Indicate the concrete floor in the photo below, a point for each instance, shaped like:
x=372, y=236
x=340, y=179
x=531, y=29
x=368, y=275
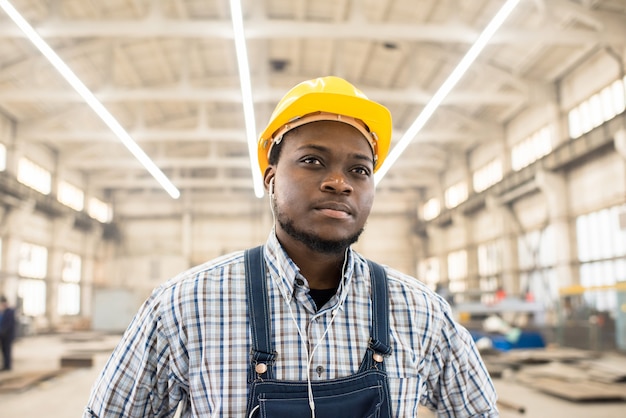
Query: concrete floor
x=65, y=396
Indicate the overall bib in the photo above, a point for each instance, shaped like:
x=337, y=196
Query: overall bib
x=364, y=394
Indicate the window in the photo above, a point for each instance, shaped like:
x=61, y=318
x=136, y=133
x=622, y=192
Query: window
x=537, y=258
x=619, y=100
x=456, y=194
x=489, y=270
x=601, y=245
x=33, y=295
x=100, y=210
x=431, y=209
x=585, y=116
x=33, y=261
x=34, y=176
x=597, y=109
x=69, y=288
x=487, y=175
x=32, y=268
x=607, y=103
x=595, y=106
x=71, y=196
x=457, y=273
x=574, y=125
x=532, y=148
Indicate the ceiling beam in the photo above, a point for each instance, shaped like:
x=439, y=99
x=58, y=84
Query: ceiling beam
x=191, y=135
x=268, y=29
x=104, y=163
x=423, y=180
x=233, y=95
x=28, y=134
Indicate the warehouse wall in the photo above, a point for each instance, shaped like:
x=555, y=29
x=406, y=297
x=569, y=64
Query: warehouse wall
x=157, y=245
x=25, y=222
x=550, y=203
x=599, y=183
x=155, y=242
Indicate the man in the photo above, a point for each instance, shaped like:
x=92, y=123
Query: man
x=7, y=332
x=304, y=326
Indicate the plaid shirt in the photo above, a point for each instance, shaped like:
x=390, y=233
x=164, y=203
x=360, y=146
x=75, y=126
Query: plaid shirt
x=190, y=342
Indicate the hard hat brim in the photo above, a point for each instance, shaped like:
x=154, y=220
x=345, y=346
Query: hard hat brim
x=376, y=116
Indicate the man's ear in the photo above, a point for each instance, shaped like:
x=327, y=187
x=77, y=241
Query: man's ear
x=269, y=174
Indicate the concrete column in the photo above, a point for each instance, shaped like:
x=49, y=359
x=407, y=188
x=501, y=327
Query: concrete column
x=13, y=221
x=554, y=187
x=13, y=151
x=10, y=262
x=510, y=264
x=472, y=270
x=60, y=229
x=472, y=251
x=89, y=266
x=510, y=231
x=437, y=235
x=462, y=227
x=620, y=142
x=433, y=248
x=16, y=217
x=55, y=268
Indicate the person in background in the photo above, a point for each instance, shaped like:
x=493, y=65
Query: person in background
x=303, y=326
x=7, y=331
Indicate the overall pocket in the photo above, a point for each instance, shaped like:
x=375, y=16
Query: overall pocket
x=363, y=395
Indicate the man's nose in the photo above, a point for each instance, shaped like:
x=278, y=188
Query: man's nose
x=336, y=183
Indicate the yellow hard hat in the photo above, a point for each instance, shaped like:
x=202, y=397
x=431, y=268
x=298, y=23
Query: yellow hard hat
x=328, y=98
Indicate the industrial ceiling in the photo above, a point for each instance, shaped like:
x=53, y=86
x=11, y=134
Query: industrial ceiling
x=168, y=72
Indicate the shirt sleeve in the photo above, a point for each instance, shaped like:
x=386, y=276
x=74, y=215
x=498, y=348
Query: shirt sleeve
x=459, y=383
x=137, y=380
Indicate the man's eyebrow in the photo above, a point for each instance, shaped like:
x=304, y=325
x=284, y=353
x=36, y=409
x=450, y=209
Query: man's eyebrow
x=317, y=147
x=323, y=148
x=364, y=157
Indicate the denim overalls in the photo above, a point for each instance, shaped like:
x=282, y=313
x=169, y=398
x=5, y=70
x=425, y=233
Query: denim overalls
x=364, y=394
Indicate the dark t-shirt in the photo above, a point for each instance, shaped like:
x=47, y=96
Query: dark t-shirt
x=321, y=296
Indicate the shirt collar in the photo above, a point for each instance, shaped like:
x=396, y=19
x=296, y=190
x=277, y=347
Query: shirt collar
x=285, y=272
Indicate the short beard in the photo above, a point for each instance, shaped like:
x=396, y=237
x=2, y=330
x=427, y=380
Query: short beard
x=313, y=241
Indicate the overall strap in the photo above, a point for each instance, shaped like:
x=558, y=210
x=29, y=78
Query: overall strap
x=262, y=354
x=380, y=307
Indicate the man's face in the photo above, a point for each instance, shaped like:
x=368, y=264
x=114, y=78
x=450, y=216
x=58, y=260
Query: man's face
x=323, y=186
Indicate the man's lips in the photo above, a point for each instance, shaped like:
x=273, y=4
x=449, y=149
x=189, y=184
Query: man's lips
x=335, y=210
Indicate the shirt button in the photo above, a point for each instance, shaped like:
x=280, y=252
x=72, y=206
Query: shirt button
x=300, y=282
x=319, y=370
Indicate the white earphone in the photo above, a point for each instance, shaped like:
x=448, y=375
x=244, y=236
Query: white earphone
x=272, y=199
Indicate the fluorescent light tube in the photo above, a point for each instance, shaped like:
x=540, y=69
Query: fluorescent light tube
x=246, y=92
x=446, y=87
x=90, y=98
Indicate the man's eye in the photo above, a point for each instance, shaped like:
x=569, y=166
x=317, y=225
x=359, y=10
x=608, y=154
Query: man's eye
x=362, y=170
x=311, y=160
